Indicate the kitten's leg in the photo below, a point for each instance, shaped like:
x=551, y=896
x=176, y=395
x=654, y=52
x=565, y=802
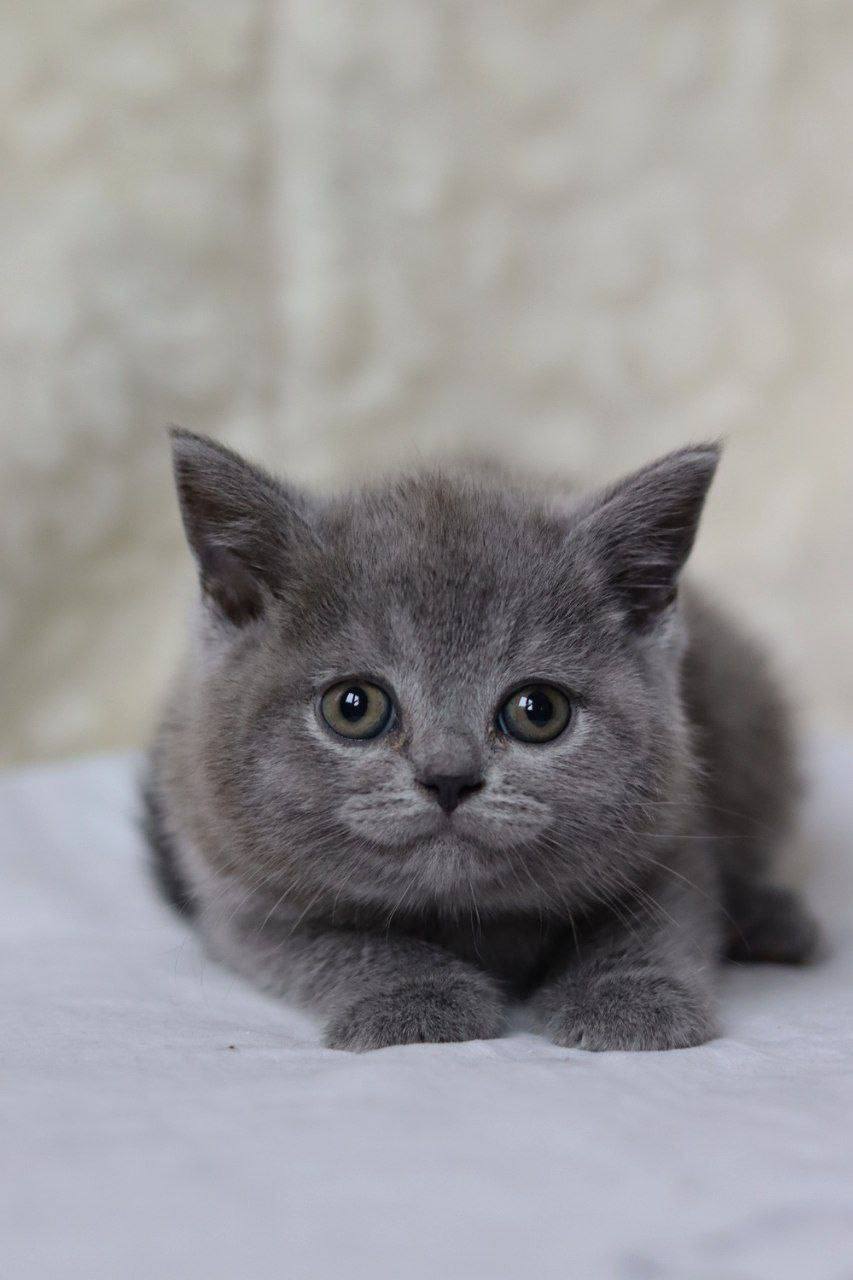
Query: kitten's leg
x=769, y=923
x=371, y=990
x=643, y=983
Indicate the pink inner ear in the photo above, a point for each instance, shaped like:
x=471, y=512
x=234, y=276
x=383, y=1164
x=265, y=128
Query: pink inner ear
x=230, y=585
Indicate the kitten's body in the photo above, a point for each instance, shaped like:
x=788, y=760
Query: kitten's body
x=599, y=875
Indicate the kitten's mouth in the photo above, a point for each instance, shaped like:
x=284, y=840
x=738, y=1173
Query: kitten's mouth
x=408, y=835
x=501, y=824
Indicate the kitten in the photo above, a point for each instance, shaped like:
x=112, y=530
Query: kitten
x=446, y=744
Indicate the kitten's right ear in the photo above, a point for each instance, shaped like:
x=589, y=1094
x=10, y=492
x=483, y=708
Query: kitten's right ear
x=242, y=525
x=641, y=530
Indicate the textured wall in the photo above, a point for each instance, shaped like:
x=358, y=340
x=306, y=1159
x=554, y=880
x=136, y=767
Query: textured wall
x=342, y=234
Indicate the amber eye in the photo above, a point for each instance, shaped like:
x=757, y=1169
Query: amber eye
x=356, y=710
x=536, y=713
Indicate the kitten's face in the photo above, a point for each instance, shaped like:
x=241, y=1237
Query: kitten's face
x=437, y=697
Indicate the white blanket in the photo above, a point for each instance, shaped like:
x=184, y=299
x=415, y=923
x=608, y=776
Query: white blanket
x=161, y=1120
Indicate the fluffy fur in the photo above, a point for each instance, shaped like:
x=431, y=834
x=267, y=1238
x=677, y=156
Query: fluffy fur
x=599, y=877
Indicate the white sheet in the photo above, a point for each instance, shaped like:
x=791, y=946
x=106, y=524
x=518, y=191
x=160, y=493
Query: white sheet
x=161, y=1120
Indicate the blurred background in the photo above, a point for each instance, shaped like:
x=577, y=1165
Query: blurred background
x=343, y=234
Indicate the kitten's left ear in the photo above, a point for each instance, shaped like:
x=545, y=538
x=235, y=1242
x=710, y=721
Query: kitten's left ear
x=642, y=529
x=246, y=529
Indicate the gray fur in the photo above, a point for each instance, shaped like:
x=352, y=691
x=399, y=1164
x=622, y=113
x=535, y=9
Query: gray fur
x=599, y=877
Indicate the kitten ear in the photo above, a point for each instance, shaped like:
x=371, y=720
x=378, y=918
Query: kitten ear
x=642, y=529
x=241, y=525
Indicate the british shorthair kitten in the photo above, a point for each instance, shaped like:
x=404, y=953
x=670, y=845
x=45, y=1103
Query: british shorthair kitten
x=446, y=744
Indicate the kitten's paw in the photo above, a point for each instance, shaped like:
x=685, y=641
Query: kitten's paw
x=769, y=923
x=636, y=1011
x=431, y=1010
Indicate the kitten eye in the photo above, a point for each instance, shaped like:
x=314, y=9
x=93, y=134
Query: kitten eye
x=356, y=710
x=536, y=713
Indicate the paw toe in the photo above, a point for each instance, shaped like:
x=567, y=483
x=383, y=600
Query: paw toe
x=637, y=1013
x=416, y=1014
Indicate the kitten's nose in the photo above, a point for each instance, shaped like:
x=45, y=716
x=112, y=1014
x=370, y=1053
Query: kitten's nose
x=450, y=789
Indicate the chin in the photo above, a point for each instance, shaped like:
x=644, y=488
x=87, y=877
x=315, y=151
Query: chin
x=451, y=863
x=450, y=871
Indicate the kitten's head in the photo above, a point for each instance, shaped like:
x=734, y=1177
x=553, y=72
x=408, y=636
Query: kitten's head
x=441, y=693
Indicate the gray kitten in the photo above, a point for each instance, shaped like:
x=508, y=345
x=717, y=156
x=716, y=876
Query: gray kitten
x=445, y=744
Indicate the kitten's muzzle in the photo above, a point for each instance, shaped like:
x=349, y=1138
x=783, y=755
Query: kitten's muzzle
x=450, y=789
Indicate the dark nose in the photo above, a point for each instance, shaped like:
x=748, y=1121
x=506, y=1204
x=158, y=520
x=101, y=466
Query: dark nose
x=450, y=789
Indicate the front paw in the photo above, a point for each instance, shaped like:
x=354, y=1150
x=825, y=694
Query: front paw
x=431, y=1010
x=636, y=1011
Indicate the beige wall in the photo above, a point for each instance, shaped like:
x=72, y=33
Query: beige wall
x=343, y=234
